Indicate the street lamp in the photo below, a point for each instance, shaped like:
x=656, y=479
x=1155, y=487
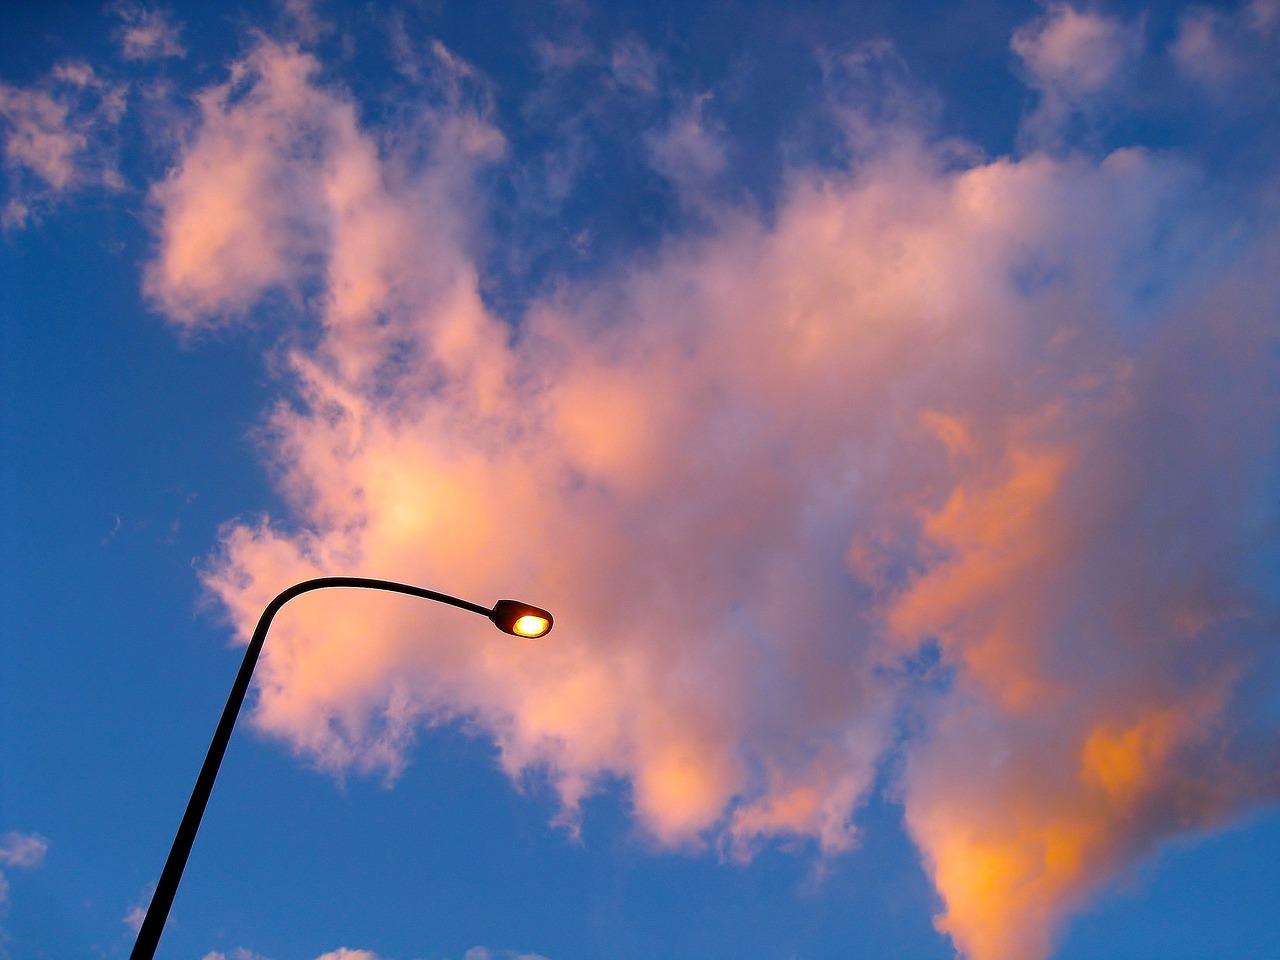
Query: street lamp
x=509, y=616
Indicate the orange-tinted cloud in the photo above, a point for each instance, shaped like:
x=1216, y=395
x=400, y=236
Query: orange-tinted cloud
x=1092, y=588
x=923, y=405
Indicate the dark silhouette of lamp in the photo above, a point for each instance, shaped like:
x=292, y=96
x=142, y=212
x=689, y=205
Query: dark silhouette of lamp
x=510, y=616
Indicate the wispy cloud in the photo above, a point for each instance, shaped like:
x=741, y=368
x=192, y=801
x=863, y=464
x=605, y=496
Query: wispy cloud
x=1231, y=53
x=689, y=151
x=1077, y=61
x=1012, y=415
x=635, y=66
x=137, y=911
x=242, y=953
x=484, y=953
x=56, y=138
x=147, y=33
x=347, y=953
x=24, y=851
x=134, y=917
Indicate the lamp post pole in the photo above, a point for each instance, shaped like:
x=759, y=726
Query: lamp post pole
x=510, y=616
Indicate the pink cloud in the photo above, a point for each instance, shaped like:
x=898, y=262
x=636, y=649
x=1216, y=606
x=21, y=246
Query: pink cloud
x=1077, y=61
x=277, y=173
x=243, y=953
x=54, y=137
x=145, y=33
x=1081, y=53
x=22, y=850
x=688, y=152
x=1230, y=53
x=925, y=404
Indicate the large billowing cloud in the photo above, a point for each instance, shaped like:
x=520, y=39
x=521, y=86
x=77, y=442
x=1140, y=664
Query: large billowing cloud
x=986, y=443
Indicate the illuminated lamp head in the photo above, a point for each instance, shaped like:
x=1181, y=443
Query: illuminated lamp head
x=521, y=619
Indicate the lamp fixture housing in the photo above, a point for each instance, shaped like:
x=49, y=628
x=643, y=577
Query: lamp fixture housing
x=521, y=619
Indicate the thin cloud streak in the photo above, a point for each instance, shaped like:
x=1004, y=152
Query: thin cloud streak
x=1018, y=412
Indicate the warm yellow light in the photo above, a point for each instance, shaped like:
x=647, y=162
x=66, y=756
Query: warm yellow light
x=521, y=619
x=531, y=626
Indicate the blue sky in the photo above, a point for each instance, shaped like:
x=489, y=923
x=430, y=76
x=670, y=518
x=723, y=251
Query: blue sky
x=883, y=397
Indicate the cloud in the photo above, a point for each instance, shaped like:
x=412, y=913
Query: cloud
x=137, y=912
x=56, y=138
x=483, y=953
x=347, y=953
x=304, y=22
x=25, y=851
x=687, y=152
x=146, y=33
x=562, y=54
x=134, y=916
x=1077, y=62
x=242, y=953
x=270, y=137
x=1013, y=417
x=215, y=248
x=1230, y=54
x=635, y=66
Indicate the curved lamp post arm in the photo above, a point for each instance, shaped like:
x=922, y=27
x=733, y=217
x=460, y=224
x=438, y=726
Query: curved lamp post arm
x=509, y=615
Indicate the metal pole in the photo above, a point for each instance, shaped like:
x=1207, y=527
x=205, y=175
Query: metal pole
x=144, y=947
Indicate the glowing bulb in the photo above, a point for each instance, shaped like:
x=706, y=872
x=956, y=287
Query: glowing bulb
x=531, y=626
x=521, y=619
